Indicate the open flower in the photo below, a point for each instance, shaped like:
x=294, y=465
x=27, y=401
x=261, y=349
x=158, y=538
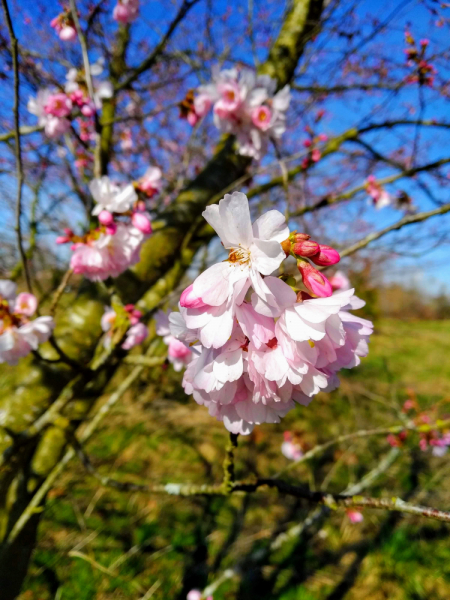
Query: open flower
x=253, y=250
x=111, y=197
x=18, y=334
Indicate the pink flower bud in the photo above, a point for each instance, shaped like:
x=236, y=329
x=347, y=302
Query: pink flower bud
x=111, y=229
x=307, y=143
x=316, y=283
x=62, y=239
x=306, y=248
x=68, y=231
x=106, y=218
x=326, y=257
x=88, y=110
x=323, y=137
x=315, y=155
x=141, y=222
x=192, y=118
x=189, y=299
x=355, y=516
x=194, y=595
x=300, y=237
x=68, y=33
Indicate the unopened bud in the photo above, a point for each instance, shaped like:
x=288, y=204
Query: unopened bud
x=327, y=256
x=105, y=217
x=299, y=237
x=62, y=239
x=141, y=222
x=306, y=248
x=316, y=283
x=189, y=299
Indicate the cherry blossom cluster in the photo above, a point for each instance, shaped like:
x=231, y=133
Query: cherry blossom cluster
x=178, y=354
x=57, y=110
x=126, y=11
x=124, y=224
x=259, y=346
x=64, y=26
x=19, y=334
x=128, y=314
x=245, y=105
x=436, y=439
x=415, y=57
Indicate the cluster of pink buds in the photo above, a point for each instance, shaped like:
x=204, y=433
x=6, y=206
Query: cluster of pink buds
x=314, y=154
x=127, y=314
x=126, y=11
x=19, y=334
x=433, y=437
x=64, y=26
x=302, y=247
x=415, y=57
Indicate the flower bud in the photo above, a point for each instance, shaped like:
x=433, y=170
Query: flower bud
x=300, y=237
x=306, y=248
x=62, y=239
x=316, y=283
x=106, y=218
x=111, y=229
x=327, y=256
x=286, y=245
x=141, y=222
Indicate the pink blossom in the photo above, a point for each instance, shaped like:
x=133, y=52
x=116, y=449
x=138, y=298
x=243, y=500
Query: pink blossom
x=111, y=197
x=178, y=353
x=64, y=27
x=18, y=334
x=58, y=105
x=253, y=250
x=151, y=182
x=108, y=255
x=126, y=11
x=355, y=516
x=289, y=449
x=135, y=336
x=26, y=304
x=261, y=117
x=378, y=194
x=202, y=104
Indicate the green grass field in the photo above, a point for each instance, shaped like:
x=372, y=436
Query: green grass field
x=100, y=543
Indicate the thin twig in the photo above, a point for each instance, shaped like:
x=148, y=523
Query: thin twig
x=408, y=220
x=18, y=149
x=84, y=50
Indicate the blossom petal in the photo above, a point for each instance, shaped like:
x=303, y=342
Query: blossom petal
x=271, y=226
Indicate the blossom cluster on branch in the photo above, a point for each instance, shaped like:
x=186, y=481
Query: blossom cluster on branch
x=245, y=105
x=260, y=346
